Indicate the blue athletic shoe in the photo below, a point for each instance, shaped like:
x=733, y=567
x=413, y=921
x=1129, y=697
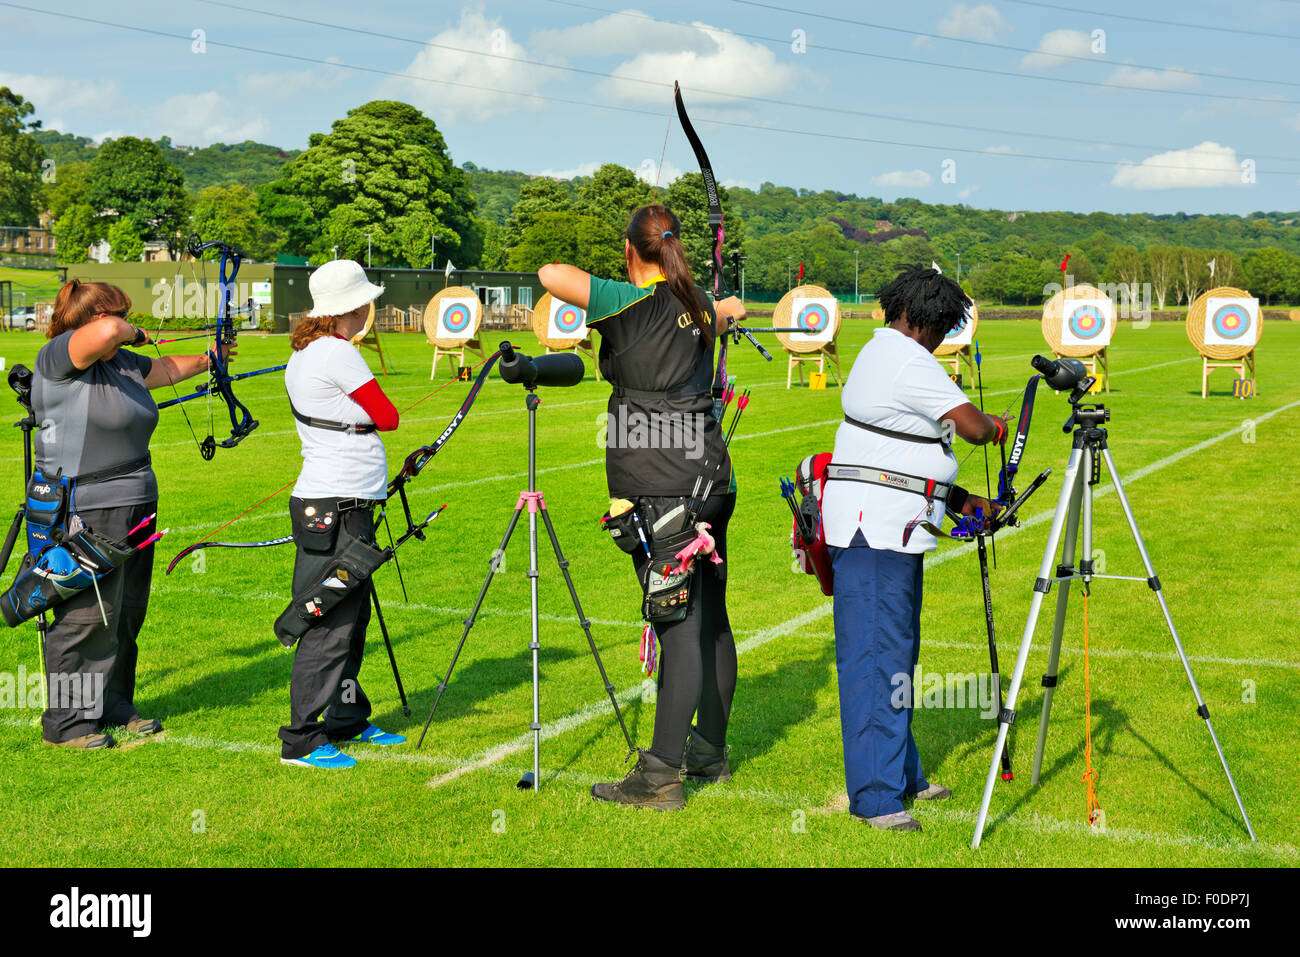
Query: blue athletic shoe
x=326, y=756
x=373, y=735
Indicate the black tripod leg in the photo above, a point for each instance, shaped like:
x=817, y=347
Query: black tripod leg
x=993, y=646
x=392, y=658
x=586, y=624
x=493, y=564
x=12, y=537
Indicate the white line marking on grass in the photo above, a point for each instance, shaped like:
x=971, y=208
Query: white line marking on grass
x=577, y=718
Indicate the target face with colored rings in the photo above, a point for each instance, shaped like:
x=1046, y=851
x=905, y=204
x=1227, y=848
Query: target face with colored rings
x=568, y=319
x=959, y=328
x=1087, y=322
x=1231, y=321
x=457, y=318
x=813, y=318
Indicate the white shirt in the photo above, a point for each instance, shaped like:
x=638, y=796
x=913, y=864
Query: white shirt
x=334, y=464
x=897, y=384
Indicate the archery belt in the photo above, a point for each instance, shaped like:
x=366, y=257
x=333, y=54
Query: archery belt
x=345, y=570
x=665, y=580
x=64, y=556
x=934, y=492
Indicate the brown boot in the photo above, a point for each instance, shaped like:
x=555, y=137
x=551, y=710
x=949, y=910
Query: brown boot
x=138, y=725
x=704, y=762
x=651, y=783
x=87, y=742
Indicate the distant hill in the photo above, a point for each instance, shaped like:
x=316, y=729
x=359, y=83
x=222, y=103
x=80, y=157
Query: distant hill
x=220, y=164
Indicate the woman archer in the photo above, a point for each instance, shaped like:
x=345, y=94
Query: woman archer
x=656, y=349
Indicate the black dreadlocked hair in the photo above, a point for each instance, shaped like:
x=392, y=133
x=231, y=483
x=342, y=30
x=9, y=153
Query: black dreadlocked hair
x=924, y=298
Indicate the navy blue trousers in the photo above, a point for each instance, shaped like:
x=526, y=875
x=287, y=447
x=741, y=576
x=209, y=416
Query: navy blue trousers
x=877, y=643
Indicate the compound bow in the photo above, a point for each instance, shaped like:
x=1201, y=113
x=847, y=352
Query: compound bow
x=220, y=381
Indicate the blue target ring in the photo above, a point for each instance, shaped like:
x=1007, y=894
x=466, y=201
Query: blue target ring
x=457, y=318
x=1231, y=321
x=568, y=318
x=813, y=318
x=959, y=328
x=1087, y=322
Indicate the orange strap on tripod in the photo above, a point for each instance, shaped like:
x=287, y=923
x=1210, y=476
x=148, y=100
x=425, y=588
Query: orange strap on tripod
x=1090, y=773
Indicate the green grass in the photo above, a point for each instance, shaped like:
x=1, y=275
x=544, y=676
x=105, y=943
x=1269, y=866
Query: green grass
x=36, y=283
x=1224, y=544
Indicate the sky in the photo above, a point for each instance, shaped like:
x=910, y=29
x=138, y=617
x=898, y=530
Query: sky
x=1011, y=104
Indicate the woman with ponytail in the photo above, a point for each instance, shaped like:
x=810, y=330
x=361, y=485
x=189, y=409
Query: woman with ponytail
x=91, y=398
x=657, y=335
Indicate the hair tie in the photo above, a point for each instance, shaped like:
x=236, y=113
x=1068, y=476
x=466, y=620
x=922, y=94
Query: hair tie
x=667, y=233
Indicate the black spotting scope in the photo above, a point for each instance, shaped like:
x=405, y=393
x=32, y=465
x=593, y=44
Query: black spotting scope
x=560, y=369
x=1060, y=374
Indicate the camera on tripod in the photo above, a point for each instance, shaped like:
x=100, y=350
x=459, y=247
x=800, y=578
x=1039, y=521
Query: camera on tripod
x=1072, y=374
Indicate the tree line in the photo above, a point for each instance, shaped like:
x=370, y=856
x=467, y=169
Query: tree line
x=381, y=184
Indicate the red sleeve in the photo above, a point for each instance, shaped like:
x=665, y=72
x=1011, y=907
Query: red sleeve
x=372, y=400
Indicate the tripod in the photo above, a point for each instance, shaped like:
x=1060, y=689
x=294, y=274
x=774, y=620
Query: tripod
x=536, y=505
x=1082, y=473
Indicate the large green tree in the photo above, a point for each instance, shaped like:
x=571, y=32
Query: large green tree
x=130, y=180
x=230, y=213
x=381, y=179
x=20, y=161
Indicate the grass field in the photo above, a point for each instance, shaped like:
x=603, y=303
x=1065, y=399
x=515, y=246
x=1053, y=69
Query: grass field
x=1203, y=477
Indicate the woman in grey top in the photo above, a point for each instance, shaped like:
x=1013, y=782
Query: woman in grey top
x=96, y=417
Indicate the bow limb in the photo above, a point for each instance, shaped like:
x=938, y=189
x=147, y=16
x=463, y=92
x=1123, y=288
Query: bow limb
x=197, y=546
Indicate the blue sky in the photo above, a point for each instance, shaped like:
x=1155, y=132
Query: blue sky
x=1033, y=104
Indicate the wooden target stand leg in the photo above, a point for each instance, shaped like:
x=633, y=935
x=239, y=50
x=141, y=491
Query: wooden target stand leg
x=439, y=353
x=1240, y=366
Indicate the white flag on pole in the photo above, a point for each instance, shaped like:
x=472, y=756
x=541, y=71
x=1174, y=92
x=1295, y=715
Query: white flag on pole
x=1211, y=265
x=935, y=266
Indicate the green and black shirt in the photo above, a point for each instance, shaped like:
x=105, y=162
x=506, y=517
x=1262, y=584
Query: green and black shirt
x=660, y=429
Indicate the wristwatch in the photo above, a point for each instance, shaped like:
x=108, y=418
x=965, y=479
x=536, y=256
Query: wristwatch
x=141, y=337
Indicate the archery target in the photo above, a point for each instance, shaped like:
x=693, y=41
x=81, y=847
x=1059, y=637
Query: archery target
x=964, y=332
x=457, y=318
x=567, y=321
x=1231, y=321
x=815, y=317
x=1087, y=322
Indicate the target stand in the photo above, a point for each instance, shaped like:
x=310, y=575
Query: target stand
x=815, y=309
x=1224, y=325
x=1079, y=323
x=562, y=327
x=451, y=325
x=956, y=346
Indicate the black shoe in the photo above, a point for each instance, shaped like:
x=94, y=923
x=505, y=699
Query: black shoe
x=651, y=783
x=138, y=725
x=704, y=762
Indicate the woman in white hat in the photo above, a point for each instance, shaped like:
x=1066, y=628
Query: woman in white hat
x=340, y=408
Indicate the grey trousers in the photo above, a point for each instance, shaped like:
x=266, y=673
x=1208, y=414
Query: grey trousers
x=90, y=667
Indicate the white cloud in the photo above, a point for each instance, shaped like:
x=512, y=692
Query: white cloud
x=1000, y=149
x=972, y=23
x=55, y=95
x=726, y=63
x=1208, y=164
x=488, y=62
x=1293, y=122
x=968, y=192
x=284, y=86
x=904, y=178
x=1170, y=78
x=1055, y=47
x=630, y=31
x=204, y=118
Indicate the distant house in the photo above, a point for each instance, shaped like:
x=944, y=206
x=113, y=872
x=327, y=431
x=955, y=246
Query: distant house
x=1012, y=217
x=29, y=239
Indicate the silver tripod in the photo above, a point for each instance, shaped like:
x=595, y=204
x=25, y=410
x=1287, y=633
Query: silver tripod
x=1081, y=475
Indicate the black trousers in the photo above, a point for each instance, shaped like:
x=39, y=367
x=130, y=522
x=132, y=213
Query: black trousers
x=327, y=660
x=90, y=667
x=697, y=658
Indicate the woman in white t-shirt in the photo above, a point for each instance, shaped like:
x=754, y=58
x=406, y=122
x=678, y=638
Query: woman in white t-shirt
x=340, y=410
x=900, y=413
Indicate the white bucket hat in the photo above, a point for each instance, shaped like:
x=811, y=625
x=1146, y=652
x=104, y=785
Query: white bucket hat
x=339, y=286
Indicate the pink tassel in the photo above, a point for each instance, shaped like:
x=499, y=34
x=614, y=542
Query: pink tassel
x=649, y=650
